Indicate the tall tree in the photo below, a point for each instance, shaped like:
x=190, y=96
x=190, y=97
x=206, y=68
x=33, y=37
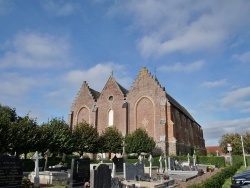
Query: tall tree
x=235, y=140
x=111, y=140
x=8, y=112
x=57, y=136
x=85, y=138
x=7, y=117
x=139, y=141
x=24, y=137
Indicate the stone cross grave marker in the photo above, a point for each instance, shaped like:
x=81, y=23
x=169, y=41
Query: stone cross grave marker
x=36, y=158
x=150, y=159
x=160, y=161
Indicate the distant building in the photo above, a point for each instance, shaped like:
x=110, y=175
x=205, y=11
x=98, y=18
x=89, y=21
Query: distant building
x=146, y=105
x=214, y=150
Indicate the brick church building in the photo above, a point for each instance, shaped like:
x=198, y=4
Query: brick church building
x=146, y=105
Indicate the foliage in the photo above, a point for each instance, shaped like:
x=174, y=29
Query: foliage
x=8, y=112
x=235, y=140
x=57, y=136
x=217, y=180
x=85, y=138
x=228, y=181
x=7, y=116
x=139, y=142
x=217, y=161
x=111, y=140
x=23, y=133
x=26, y=183
x=239, y=158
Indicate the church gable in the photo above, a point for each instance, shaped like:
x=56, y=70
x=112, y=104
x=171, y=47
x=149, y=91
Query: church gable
x=113, y=88
x=145, y=101
x=85, y=94
x=110, y=106
x=83, y=104
x=146, y=84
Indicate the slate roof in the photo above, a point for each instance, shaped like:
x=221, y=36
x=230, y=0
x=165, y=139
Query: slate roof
x=180, y=107
x=94, y=93
x=124, y=91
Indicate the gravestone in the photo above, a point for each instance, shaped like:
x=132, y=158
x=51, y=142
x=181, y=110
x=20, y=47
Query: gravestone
x=116, y=183
x=80, y=172
x=174, y=164
x=101, y=177
x=130, y=171
x=118, y=163
x=134, y=171
x=140, y=169
x=11, y=172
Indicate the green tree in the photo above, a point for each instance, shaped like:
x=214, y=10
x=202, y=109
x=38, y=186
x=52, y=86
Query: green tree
x=56, y=136
x=24, y=137
x=235, y=140
x=8, y=112
x=7, y=117
x=111, y=141
x=246, y=141
x=139, y=141
x=85, y=138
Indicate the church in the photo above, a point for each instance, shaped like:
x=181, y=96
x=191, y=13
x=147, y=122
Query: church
x=146, y=105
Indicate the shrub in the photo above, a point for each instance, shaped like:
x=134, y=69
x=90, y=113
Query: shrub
x=218, y=179
x=26, y=183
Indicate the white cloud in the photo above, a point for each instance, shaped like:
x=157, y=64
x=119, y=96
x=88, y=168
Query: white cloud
x=214, y=130
x=179, y=67
x=214, y=83
x=244, y=58
x=14, y=86
x=59, y=7
x=239, y=98
x=97, y=76
x=185, y=26
x=36, y=50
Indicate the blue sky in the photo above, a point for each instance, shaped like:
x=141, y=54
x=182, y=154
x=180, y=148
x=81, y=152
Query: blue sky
x=198, y=50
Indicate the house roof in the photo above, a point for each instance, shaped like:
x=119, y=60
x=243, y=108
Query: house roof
x=214, y=149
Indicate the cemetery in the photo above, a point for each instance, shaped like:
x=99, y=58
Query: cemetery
x=119, y=172
x=78, y=158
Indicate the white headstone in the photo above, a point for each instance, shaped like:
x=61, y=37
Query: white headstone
x=160, y=161
x=194, y=157
x=36, y=158
x=150, y=159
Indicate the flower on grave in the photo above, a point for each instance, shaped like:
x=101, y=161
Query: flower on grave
x=210, y=168
x=26, y=182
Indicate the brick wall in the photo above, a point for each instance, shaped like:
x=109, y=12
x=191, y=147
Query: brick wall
x=148, y=108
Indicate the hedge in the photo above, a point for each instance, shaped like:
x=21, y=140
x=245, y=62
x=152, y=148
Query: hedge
x=217, y=180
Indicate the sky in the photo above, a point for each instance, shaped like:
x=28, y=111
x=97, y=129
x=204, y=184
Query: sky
x=198, y=50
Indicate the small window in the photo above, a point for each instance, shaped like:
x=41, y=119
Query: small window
x=111, y=98
x=111, y=118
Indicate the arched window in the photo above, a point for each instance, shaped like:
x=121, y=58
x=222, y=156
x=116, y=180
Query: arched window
x=111, y=118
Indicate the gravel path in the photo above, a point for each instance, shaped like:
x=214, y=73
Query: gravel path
x=197, y=179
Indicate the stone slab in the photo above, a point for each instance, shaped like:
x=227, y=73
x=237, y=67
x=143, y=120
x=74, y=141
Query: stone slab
x=50, y=178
